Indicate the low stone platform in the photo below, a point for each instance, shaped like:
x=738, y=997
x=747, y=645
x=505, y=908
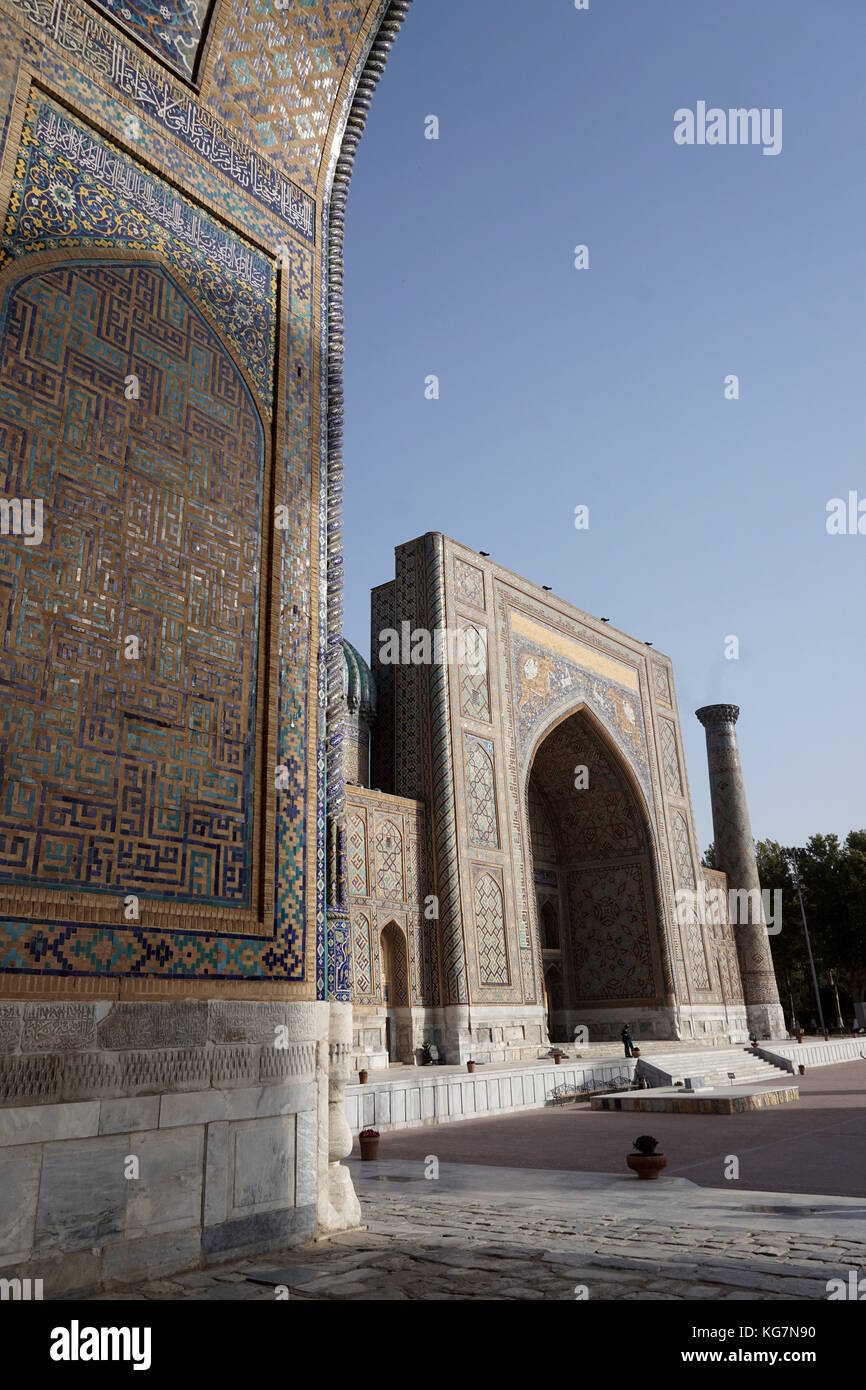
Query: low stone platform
x=402, y=1097
x=406, y=1097
x=674, y=1100
x=813, y=1052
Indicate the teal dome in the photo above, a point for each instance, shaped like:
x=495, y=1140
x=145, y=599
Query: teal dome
x=359, y=688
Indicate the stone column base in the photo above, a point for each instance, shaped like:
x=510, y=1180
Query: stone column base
x=344, y=1209
x=339, y=1209
x=766, y=1019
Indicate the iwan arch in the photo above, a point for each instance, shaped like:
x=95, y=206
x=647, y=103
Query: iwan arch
x=529, y=830
x=173, y=192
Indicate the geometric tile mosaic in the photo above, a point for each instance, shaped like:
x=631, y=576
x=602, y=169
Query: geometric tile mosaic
x=73, y=187
x=362, y=961
x=357, y=837
x=124, y=772
x=389, y=860
x=277, y=75
x=682, y=850
x=469, y=583
x=474, y=699
x=661, y=682
x=611, y=954
x=481, y=795
x=490, y=932
x=699, y=973
x=670, y=759
x=41, y=944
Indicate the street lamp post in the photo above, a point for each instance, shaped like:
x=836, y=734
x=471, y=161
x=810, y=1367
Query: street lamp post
x=791, y=856
x=794, y=1024
x=834, y=981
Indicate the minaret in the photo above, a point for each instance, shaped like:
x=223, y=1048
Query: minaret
x=735, y=855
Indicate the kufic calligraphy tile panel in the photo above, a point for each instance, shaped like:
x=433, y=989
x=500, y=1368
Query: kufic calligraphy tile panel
x=119, y=773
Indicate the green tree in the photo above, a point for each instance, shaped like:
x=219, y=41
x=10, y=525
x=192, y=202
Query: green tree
x=833, y=882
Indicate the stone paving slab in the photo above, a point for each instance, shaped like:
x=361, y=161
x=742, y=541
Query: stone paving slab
x=527, y=1235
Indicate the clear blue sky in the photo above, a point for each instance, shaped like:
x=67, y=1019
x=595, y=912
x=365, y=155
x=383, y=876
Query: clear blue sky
x=605, y=387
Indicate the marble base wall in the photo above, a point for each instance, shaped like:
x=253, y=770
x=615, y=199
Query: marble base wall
x=139, y=1139
x=497, y=1034
x=691, y=1022
x=648, y=1022
x=395, y=1102
x=813, y=1052
x=460, y=1032
x=714, y=1023
x=502, y=1034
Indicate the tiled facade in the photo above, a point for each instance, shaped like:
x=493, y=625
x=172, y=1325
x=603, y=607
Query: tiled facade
x=490, y=748
x=110, y=163
x=170, y=348
x=387, y=873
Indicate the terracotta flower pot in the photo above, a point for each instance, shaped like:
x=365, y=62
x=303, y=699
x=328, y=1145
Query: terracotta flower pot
x=362, y=1077
x=470, y=1066
x=647, y=1166
x=369, y=1149
x=557, y=1057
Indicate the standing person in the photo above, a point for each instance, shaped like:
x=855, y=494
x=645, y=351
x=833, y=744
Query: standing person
x=627, y=1040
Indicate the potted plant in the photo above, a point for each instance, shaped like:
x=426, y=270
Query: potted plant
x=800, y=1036
x=362, y=1076
x=369, y=1142
x=557, y=1056
x=645, y=1161
x=470, y=1065
x=635, y=1052
x=801, y=1069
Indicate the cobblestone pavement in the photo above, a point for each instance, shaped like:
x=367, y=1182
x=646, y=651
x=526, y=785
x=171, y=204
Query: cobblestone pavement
x=545, y=1241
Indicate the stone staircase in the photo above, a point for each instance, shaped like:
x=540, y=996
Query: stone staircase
x=711, y=1065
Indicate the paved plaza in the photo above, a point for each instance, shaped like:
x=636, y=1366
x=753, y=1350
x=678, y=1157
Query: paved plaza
x=814, y=1145
x=541, y=1206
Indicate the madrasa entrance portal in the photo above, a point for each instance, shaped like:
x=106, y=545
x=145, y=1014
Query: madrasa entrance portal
x=594, y=878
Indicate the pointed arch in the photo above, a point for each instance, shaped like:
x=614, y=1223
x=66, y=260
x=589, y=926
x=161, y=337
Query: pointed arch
x=609, y=875
x=551, y=939
x=394, y=966
x=600, y=728
x=554, y=988
x=135, y=483
x=36, y=262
